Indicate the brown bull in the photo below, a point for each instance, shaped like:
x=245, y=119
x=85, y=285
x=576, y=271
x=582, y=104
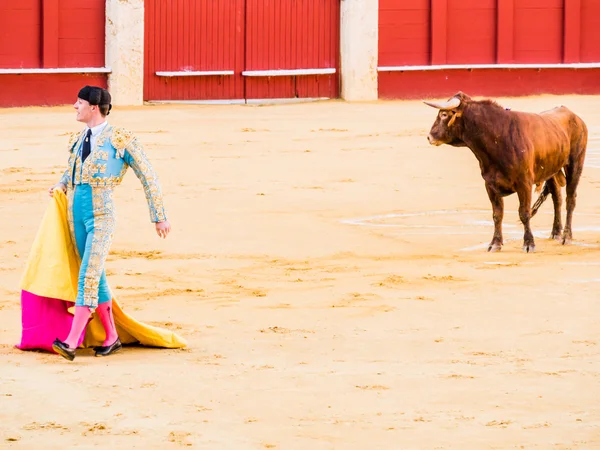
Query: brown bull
x=517, y=150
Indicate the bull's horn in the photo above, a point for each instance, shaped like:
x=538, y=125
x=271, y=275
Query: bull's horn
x=454, y=102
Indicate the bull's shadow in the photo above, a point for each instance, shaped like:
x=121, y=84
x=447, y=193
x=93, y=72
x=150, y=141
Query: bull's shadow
x=517, y=150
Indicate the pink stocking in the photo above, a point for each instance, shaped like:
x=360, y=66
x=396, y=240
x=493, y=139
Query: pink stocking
x=82, y=314
x=104, y=311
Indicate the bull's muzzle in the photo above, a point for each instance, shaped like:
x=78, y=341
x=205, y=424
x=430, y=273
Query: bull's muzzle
x=432, y=140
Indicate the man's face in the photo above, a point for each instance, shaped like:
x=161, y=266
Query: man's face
x=84, y=110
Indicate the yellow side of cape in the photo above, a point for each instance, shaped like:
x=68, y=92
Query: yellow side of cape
x=52, y=270
x=52, y=267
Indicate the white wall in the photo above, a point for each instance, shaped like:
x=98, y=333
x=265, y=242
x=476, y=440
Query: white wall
x=359, y=49
x=125, y=51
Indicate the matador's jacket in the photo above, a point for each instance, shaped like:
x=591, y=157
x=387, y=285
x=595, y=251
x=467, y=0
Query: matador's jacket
x=91, y=212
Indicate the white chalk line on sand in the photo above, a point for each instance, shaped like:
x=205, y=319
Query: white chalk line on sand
x=537, y=234
x=592, y=154
x=588, y=280
x=514, y=232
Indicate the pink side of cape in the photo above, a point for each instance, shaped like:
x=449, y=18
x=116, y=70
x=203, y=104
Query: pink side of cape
x=43, y=320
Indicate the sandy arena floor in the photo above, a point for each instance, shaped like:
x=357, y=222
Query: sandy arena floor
x=328, y=268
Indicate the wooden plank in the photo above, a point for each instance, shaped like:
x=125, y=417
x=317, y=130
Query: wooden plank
x=81, y=32
x=194, y=50
x=478, y=45
x=287, y=72
x=45, y=89
x=20, y=35
x=539, y=35
x=292, y=49
x=195, y=73
x=439, y=31
x=487, y=83
x=590, y=31
x=572, y=34
x=404, y=33
x=505, y=44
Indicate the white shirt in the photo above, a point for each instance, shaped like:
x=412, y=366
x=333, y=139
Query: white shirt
x=95, y=132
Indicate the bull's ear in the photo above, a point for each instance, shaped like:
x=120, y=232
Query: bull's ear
x=453, y=103
x=454, y=117
x=462, y=96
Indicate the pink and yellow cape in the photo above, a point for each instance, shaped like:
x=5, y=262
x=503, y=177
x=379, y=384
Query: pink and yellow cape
x=49, y=289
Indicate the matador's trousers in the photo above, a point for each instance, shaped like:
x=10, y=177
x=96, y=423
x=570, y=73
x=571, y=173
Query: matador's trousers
x=91, y=222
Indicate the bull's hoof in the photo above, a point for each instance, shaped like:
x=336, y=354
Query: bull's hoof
x=557, y=236
x=529, y=248
x=494, y=248
x=567, y=240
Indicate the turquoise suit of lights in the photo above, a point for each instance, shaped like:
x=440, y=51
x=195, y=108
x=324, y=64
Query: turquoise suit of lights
x=91, y=212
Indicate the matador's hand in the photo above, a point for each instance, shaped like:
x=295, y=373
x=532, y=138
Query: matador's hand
x=163, y=228
x=60, y=186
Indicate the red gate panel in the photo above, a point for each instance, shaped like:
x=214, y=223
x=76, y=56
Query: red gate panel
x=538, y=31
x=478, y=44
x=300, y=34
x=49, y=34
x=81, y=25
x=404, y=36
x=590, y=31
x=432, y=32
x=201, y=36
x=20, y=39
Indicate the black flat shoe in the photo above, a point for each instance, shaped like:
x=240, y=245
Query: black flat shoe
x=103, y=348
x=63, y=349
x=113, y=348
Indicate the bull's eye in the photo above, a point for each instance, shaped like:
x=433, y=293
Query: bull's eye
x=444, y=115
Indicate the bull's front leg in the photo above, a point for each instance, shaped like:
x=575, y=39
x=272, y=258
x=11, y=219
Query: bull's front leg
x=498, y=214
x=524, y=193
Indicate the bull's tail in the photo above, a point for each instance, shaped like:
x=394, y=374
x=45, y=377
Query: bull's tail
x=560, y=181
x=541, y=199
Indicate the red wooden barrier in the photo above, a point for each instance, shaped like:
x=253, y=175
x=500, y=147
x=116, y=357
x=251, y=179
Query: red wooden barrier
x=49, y=34
x=81, y=26
x=20, y=22
x=474, y=32
x=590, y=31
x=404, y=32
x=191, y=43
x=539, y=31
x=303, y=34
x=194, y=36
x=478, y=44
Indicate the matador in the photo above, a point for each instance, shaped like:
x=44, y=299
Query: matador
x=99, y=157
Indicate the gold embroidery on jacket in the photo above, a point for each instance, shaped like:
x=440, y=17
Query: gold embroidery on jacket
x=95, y=169
x=120, y=139
x=147, y=176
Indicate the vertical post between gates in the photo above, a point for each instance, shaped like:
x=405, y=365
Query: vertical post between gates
x=359, y=49
x=125, y=51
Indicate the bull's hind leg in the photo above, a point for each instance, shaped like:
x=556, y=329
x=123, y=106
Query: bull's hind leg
x=554, y=189
x=573, y=174
x=498, y=214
